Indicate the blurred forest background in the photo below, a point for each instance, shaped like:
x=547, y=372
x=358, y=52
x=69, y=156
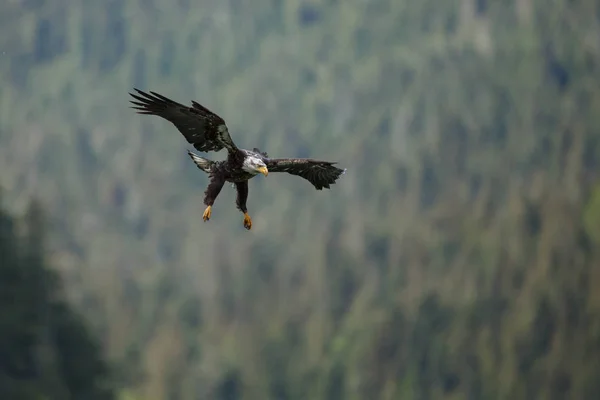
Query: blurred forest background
x=456, y=259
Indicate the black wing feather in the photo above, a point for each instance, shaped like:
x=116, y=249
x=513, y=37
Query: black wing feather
x=202, y=128
x=320, y=173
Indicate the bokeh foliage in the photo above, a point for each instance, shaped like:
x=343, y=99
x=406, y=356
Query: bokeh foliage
x=46, y=349
x=457, y=258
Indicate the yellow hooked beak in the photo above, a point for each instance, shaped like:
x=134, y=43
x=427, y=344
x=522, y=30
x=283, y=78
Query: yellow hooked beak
x=263, y=170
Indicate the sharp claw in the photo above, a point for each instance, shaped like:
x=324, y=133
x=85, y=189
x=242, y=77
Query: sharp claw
x=247, y=221
x=206, y=215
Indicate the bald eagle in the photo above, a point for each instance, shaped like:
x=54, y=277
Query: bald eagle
x=207, y=131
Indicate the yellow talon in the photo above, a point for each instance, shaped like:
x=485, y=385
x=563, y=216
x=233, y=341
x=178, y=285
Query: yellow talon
x=247, y=221
x=206, y=215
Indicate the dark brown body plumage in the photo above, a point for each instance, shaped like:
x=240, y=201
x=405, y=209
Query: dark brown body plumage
x=207, y=131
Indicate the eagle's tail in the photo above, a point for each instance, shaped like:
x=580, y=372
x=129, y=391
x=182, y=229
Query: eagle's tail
x=202, y=163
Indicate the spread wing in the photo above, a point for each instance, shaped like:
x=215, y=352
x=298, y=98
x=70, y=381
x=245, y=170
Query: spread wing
x=202, y=128
x=320, y=173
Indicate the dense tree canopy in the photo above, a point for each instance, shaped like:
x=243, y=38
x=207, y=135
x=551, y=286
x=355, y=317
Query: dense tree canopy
x=457, y=258
x=46, y=350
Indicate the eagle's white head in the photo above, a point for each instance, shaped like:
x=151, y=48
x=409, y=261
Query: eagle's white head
x=255, y=165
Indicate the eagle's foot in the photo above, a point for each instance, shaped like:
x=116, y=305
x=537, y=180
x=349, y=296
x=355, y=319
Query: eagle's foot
x=247, y=221
x=206, y=215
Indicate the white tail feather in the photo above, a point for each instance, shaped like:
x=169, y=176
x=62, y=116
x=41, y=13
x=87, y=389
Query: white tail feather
x=202, y=163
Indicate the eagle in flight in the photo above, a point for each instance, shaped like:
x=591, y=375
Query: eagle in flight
x=206, y=131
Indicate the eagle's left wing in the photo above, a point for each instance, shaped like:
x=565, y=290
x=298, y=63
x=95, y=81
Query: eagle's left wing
x=202, y=128
x=320, y=173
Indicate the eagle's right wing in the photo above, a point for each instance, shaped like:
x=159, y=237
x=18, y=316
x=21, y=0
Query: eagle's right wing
x=205, y=130
x=320, y=173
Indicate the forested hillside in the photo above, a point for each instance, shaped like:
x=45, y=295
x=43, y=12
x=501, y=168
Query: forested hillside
x=46, y=349
x=456, y=259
